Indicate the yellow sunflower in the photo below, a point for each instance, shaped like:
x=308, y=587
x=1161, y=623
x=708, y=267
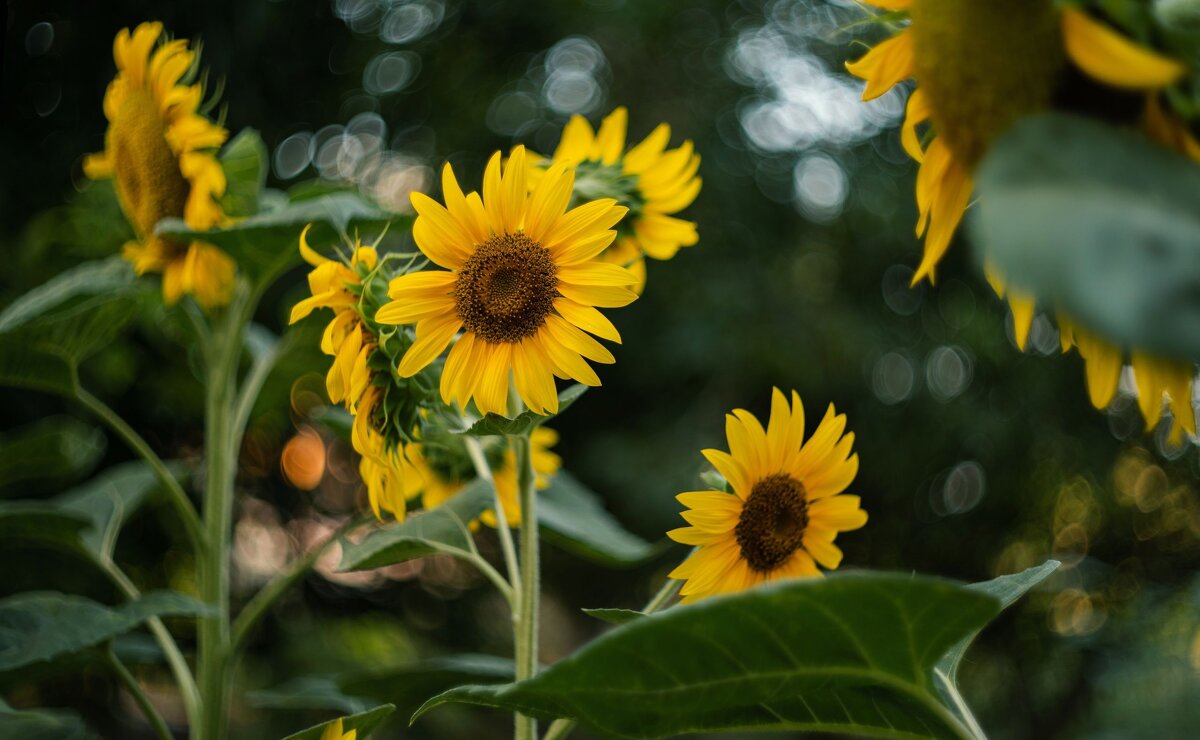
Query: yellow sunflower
x=655, y=182
x=382, y=464
x=338, y=286
x=335, y=731
x=521, y=282
x=971, y=92
x=159, y=150
x=787, y=505
x=435, y=486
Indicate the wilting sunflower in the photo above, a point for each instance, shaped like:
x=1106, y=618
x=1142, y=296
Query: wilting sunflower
x=338, y=285
x=653, y=181
x=979, y=67
x=522, y=283
x=438, y=473
x=786, y=508
x=160, y=152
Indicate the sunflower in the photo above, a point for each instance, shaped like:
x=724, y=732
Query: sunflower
x=382, y=464
x=653, y=181
x=521, y=282
x=970, y=92
x=435, y=480
x=338, y=285
x=786, y=506
x=335, y=731
x=159, y=150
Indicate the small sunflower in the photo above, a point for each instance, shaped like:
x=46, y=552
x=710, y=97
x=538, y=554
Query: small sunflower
x=653, y=181
x=160, y=151
x=521, y=282
x=786, y=508
x=435, y=481
x=970, y=92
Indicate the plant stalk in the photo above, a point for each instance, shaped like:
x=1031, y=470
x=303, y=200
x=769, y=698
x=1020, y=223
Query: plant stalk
x=135, y=690
x=526, y=635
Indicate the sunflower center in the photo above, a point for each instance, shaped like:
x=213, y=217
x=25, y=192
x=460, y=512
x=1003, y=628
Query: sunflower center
x=505, y=290
x=984, y=65
x=149, y=183
x=772, y=523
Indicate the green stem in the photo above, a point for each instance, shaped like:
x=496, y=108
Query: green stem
x=503, y=531
x=262, y=601
x=220, y=392
x=560, y=728
x=175, y=659
x=139, y=696
x=183, y=505
x=527, y=628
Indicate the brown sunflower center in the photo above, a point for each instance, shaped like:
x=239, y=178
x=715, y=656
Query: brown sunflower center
x=149, y=183
x=505, y=290
x=984, y=65
x=771, y=526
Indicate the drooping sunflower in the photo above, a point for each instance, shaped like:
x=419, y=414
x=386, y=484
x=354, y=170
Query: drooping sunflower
x=435, y=481
x=786, y=507
x=522, y=283
x=653, y=181
x=160, y=152
x=968, y=93
x=382, y=463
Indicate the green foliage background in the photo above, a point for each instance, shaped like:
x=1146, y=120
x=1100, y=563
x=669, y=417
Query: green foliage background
x=976, y=460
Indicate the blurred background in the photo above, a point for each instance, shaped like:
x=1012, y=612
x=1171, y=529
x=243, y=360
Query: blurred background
x=976, y=460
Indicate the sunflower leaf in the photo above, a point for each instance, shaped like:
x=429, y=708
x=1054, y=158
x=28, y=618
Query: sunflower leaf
x=615, y=616
x=853, y=653
x=1113, y=240
x=497, y=425
x=244, y=160
x=42, y=724
x=439, y=530
x=363, y=723
x=574, y=518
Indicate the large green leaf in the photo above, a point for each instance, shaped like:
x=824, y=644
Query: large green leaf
x=44, y=625
x=108, y=500
x=244, y=160
x=101, y=277
x=42, y=724
x=573, y=517
x=443, y=529
x=495, y=424
x=364, y=723
x=42, y=522
x=54, y=448
x=1113, y=239
x=268, y=242
x=309, y=693
x=852, y=653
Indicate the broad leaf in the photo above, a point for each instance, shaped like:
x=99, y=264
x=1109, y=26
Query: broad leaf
x=244, y=160
x=573, y=517
x=101, y=277
x=42, y=724
x=57, y=448
x=443, y=529
x=309, y=693
x=268, y=242
x=44, y=625
x=364, y=723
x=615, y=616
x=1112, y=240
x=108, y=500
x=42, y=522
x=495, y=424
x=853, y=653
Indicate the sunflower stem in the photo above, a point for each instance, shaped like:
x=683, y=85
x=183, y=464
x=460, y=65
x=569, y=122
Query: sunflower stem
x=526, y=636
x=139, y=695
x=503, y=531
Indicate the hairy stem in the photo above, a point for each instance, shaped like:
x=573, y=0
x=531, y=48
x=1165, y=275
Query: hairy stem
x=527, y=628
x=503, y=531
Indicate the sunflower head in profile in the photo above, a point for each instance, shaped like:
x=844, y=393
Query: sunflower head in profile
x=160, y=152
x=652, y=181
x=522, y=283
x=382, y=464
x=786, y=506
x=437, y=469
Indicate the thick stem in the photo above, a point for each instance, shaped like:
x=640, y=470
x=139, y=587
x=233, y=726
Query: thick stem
x=135, y=690
x=527, y=627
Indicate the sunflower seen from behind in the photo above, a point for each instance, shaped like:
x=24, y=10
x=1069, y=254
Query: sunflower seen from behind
x=785, y=508
x=521, y=282
x=653, y=181
x=160, y=151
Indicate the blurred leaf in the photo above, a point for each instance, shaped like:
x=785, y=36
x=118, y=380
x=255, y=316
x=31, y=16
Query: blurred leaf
x=308, y=693
x=244, y=160
x=54, y=448
x=852, y=653
x=42, y=522
x=1111, y=239
x=439, y=530
x=495, y=424
x=42, y=724
x=364, y=723
x=268, y=242
x=44, y=625
x=407, y=687
x=101, y=277
x=615, y=616
x=574, y=518
x=337, y=420
x=108, y=500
